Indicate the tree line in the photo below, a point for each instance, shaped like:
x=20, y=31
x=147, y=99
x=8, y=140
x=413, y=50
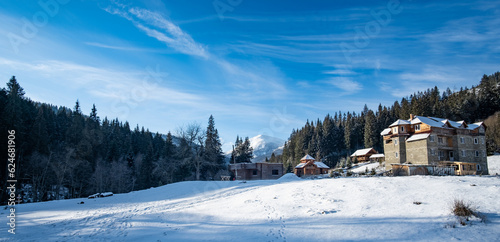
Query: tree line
x=63, y=153
x=336, y=137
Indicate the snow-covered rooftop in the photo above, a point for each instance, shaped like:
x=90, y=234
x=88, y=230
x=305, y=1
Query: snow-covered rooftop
x=377, y=156
x=319, y=164
x=400, y=122
x=361, y=152
x=474, y=125
x=429, y=121
x=307, y=157
x=385, y=131
x=416, y=137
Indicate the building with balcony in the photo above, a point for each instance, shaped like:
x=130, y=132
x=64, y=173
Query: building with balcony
x=437, y=142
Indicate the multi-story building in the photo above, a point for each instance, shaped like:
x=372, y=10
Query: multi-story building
x=436, y=142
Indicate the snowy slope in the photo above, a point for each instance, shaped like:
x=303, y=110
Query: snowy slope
x=494, y=164
x=264, y=146
x=377, y=208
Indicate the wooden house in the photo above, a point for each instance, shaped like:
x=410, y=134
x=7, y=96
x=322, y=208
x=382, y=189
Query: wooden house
x=363, y=155
x=309, y=166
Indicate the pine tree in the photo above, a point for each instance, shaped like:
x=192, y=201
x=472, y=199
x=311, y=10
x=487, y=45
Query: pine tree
x=145, y=176
x=213, y=154
x=370, y=133
x=93, y=114
x=242, y=151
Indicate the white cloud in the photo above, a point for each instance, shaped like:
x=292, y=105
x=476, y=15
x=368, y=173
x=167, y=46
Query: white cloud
x=346, y=84
x=341, y=72
x=160, y=28
x=106, y=83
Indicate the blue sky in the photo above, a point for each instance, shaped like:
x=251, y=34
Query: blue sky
x=260, y=67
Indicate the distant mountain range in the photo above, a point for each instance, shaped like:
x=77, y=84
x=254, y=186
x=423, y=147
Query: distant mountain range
x=263, y=146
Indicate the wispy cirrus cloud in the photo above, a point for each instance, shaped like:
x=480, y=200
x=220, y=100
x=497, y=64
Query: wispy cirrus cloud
x=160, y=28
x=346, y=84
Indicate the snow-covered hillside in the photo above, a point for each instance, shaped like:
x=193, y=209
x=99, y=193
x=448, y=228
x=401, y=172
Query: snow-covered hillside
x=353, y=209
x=264, y=146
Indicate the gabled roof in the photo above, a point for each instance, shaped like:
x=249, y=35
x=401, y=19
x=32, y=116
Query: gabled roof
x=429, y=121
x=399, y=122
x=416, y=137
x=307, y=157
x=386, y=131
x=319, y=164
x=474, y=125
x=362, y=152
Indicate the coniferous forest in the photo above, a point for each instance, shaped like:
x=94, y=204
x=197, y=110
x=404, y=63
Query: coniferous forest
x=68, y=152
x=77, y=154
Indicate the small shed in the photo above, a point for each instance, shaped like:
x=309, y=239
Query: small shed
x=377, y=158
x=309, y=166
x=363, y=155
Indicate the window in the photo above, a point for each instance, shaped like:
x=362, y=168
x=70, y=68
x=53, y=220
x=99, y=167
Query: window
x=440, y=140
x=464, y=153
x=478, y=167
x=254, y=172
x=395, y=130
x=402, y=129
x=441, y=153
x=433, y=152
x=417, y=127
x=476, y=141
x=395, y=142
x=482, y=141
x=396, y=154
x=431, y=138
x=477, y=153
x=275, y=172
x=462, y=140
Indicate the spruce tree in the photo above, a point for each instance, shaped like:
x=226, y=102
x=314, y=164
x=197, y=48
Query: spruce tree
x=213, y=154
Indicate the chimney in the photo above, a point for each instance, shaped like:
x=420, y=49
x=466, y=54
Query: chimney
x=411, y=116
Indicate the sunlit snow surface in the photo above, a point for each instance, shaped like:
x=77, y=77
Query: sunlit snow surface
x=289, y=209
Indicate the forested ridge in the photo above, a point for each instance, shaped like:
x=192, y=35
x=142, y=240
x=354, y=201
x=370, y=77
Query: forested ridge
x=337, y=136
x=63, y=153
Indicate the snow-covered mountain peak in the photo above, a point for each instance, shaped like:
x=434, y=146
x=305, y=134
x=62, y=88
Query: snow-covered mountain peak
x=264, y=146
x=261, y=141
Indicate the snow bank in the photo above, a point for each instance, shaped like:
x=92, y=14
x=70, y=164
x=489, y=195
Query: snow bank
x=289, y=177
x=362, y=167
x=494, y=164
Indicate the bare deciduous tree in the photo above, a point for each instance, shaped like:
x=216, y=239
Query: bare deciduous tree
x=194, y=136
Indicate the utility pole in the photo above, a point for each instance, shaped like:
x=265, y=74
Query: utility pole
x=235, y=168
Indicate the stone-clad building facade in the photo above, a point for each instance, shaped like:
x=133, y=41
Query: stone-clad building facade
x=436, y=141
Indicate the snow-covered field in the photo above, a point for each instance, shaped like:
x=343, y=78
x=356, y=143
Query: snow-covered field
x=289, y=209
x=494, y=164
